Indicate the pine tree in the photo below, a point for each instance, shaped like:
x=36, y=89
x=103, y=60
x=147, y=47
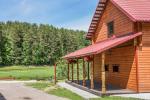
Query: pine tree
x=28, y=44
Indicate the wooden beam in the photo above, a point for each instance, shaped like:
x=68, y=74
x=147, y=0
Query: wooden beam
x=136, y=63
x=92, y=74
x=88, y=70
x=84, y=80
x=72, y=72
x=77, y=71
x=55, y=74
x=103, y=74
x=68, y=72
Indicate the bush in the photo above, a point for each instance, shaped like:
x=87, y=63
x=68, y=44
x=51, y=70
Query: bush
x=61, y=69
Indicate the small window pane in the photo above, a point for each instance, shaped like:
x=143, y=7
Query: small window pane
x=110, y=27
x=115, y=68
x=107, y=67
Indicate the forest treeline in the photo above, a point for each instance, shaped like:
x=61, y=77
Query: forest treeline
x=23, y=43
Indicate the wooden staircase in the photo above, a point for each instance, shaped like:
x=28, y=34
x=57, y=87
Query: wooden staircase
x=96, y=18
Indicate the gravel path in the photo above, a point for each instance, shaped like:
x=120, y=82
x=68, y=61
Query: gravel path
x=17, y=91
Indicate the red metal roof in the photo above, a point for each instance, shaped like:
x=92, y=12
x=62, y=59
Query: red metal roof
x=136, y=10
x=102, y=46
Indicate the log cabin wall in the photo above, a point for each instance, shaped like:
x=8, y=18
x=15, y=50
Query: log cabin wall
x=123, y=56
x=122, y=23
x=144, y=60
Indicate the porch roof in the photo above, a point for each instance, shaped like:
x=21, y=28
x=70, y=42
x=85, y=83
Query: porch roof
x=102, y=46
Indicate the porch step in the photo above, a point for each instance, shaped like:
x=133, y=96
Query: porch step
x=82, y=93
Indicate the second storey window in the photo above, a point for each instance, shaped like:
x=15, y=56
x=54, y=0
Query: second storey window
x=110, y=28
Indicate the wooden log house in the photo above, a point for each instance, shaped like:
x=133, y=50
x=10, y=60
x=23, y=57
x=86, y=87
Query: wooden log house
x=119, y=53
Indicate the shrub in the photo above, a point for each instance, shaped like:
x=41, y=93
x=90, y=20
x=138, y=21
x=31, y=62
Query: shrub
x=61, y=69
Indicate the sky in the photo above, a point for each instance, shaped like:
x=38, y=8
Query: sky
x=71, y=14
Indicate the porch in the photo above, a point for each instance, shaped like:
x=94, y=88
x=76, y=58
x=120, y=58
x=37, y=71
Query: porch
x=88, y=55
x=111, y=90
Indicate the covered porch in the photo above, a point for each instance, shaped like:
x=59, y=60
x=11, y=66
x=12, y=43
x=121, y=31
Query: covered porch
x=87, y=56
x=111, y=90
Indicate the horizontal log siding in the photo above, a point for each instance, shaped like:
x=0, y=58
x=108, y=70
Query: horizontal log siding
x=126, y=77
x=144, y=60
x=122, y=24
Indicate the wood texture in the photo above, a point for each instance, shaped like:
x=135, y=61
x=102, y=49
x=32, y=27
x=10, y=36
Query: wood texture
x=77, y=71
x=144, y=60
x=124, y=57
x=122, y=24
x=136, y=47
x=84, y=76
x=55, y=80
x=68, y=72
x=92, y=74
x=88, y=65
x=103, y=74
x=72, y=72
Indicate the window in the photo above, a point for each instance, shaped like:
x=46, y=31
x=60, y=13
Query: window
x=115, y=68
x=107, y=68
x=110, y=27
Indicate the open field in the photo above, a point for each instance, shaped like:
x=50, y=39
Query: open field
x=58, y=91
x=43, y=73
x=26, y=73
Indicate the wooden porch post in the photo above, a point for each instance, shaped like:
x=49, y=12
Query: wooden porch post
x=68, y=72
x=55, y=80
x=77, y=71
x=84, y=81
x=88, y=70
x=72, y=72
x=103, y=74
x=92, y=74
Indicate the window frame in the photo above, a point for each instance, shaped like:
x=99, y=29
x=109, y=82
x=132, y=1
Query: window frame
x=109, y=26
x=118, y=68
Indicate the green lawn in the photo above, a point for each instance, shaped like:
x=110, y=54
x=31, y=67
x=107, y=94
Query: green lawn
x=61, y=92
x=44, y=73
x=26, y=73
x=55, y=90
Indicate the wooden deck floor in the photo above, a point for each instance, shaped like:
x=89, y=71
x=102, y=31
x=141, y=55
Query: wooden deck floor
x=111, y=90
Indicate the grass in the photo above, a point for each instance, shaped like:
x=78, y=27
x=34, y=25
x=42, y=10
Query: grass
x=40, y=85
x=44, y=73
x=61, y=92
x=55, y=90
x=26, y=73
